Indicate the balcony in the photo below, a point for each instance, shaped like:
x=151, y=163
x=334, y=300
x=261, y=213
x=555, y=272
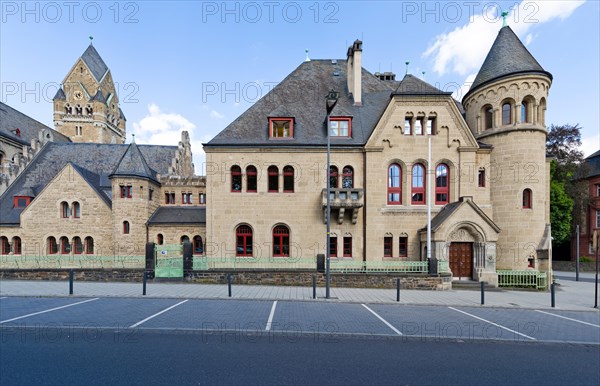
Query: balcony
x=342, y=200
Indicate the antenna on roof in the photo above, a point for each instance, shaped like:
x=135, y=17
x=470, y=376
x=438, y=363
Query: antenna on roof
x=132, y=138
x=407, y=63
x=307, y=58
x=504, y=15
x=91, y=38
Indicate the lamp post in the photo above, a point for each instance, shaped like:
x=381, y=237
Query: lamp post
x=331, y=100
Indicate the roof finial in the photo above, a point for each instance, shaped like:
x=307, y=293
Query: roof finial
x=407, y=63
x=423, y=73
x=504, y=15
x=307, y=58
x=91, y=38
x=133, y=138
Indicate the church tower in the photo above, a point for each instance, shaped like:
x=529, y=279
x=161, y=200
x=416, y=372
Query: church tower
x=86, y=107
x=505, y=108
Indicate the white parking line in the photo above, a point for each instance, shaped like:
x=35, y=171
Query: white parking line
x=43, y=312
x=564, y=317
x=383, y=320
x=3, y=297
x=493, y=324
x=158, y=313
x=270, y=321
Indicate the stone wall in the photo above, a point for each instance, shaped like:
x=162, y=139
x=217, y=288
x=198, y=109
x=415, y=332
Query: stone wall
x=570, y=266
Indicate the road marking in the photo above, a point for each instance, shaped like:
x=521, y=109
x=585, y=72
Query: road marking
x=383, y=320
x=158, y=313
x=43, y=312
x=3, y=297
x=564, y=317
x=493, y=324
x=270, y=321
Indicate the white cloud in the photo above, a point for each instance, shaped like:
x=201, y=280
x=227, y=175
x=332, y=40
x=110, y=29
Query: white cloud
x=590, y=145
x=215, y=114
x=464, y=49
x=464, y=88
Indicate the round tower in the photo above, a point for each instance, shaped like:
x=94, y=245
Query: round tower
x=505, y=107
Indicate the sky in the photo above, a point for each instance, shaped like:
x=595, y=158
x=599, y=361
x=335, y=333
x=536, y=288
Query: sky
x=198, y=65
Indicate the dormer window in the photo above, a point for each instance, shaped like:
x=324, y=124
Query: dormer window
x=281, y=128
x=21, y=201
x=340, y=127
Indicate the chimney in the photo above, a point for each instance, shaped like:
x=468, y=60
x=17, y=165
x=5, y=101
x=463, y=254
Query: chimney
x=355, y=72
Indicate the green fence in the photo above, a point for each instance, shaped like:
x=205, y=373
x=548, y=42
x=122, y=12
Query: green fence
x=526, y=278
x=349, y=266
x=71, y=261
x=169, y=261
x=203, y=263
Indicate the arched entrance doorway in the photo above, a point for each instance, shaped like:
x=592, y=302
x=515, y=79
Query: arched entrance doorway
x=461, y=259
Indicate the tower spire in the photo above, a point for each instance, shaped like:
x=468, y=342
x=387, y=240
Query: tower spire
x=91, y=38
x=504, y=15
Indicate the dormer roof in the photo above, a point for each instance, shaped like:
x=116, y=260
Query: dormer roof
x=133, y=164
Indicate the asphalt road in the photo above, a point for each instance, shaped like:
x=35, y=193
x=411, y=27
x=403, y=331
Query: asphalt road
x=175, y=341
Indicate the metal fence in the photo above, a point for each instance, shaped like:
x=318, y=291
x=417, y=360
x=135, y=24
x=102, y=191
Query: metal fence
x=526, y=279
x=203, y=263
x=349, y=266
x=71, y=261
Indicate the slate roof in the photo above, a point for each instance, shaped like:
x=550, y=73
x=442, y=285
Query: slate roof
x=60, y=94
x=592, y=165
x=411, y=85
x=178, y=215
x=11, y=119
x=450, y=208
x=93, y=160
x=303, y=94
x=133, y=164
x=92, y=59
x=507, y=56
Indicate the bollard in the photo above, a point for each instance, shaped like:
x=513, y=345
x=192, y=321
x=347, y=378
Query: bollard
x=229, y=283
x=144, y=283
x=482, y=293
x=314, y=286
x=397, y=290
x=71, y=282
x=552, y=296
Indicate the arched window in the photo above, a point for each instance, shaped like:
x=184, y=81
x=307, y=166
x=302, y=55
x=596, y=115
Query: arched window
x=89, y=110
x=89, y=246
x=160, y=239
x=288, y=179
x=525, y=112
x=198, y=246
x=243, y=241
x=333, y=177
x=527, y=199
x=65, y=246
x=184, y=239
x=418, y=184
x=5, y=245
x=394, y=185
x=65, y=210
x=251, y=179
x=52, y=246
x=441, y=184
x=506, y=114
x=68, y=109
x=281, y=241
x=347, y=177
x=16, y=245
x=77, y=246
x=76, y=210
x=126, y=227
x=488, y=117
x=273, y=178
x=236, y=179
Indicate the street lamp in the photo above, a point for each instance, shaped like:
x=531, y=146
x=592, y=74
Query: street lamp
x=331, y=100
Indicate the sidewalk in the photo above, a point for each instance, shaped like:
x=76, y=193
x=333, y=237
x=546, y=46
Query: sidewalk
x=570, y=294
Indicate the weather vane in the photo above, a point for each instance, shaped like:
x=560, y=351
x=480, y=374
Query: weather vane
x=407, y=63
x=504, y=15
x=91, y=38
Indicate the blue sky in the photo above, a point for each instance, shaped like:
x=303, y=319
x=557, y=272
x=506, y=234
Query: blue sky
x=197, y=65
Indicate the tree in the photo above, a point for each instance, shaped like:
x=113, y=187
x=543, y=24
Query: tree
x=561, y=209
x=562, y=145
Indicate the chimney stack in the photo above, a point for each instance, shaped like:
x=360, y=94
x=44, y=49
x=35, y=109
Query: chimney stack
x=354, y=71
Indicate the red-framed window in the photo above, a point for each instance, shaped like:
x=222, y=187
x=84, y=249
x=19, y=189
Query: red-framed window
x=5, y=245
x=340, y=127
x=280, y=128
x=442, y=184
x=16, y=245
x=170, y=198
x=160, y=239
x=52, y=246
x=333, y=177
x=481, y=178
x=126, y=191
x=394, y=185
x=418, y=185
x=65, y=210
x=202, y=198
x=288, y=179
x=186, y=198
x=251, y=179
x=76, y=210
x=527, y=199
x=333, y=247
x=65, y=246
x=506, y=113
x=236, y=179
x=388, y=243
x=198, y=245
x=21, y=201
x=347, y=177
x=281, y=241
x=89, y=245
x=403, y=246
x=243, y=241
x=347, y=249
x=126, y=227
x=273, y=179
x=77, y=246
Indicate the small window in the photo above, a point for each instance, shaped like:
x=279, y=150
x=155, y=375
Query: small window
x=348, y=177
x=419, y=126
x=488, y=116
x=347, y=246
x=481, y=178
x=243, y=241
x=236, y=179
x=281, y=127
x=441, y=185
x=281, y=241
x=76, y=210
x=394, y=185
x=186, y=198
x=403, y=246
x=288, y=179
x=125, y=191
x=170, y=198
x=65, y=210
x=333, y=177
x=273, y=179
x=16, y=245
x=52, y=246
x=387, y=246
x=251, y=179
x=65, y=246
x=202, y=198
x=506, y=114
x=160, y=239
x=89, y=246
x=597, y=190
x=340, y=127
x=597, y=218
x=431, y=126
x=333, y=247
x=407, y=126
x=198, y=245
x=5, y=245
x=77, y=246
x=527, y=199
x=126, y=227
x=150, y=194
x=418, y=184
x=524, y=112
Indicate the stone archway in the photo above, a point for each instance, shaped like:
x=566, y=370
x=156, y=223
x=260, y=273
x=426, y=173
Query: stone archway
x=463, y=244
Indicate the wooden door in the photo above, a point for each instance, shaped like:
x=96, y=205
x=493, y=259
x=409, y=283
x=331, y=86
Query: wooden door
x=461, y=260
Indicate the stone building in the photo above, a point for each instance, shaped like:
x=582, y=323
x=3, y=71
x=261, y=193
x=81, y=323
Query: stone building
x=590, y=220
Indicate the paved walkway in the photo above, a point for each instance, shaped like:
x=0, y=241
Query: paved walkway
x=570, y=294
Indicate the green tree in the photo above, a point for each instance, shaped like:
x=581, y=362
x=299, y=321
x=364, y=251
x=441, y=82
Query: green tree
x=561, y=209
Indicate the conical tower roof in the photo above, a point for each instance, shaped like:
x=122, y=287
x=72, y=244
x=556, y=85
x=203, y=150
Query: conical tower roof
x=508, y=56
x=133, y=164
